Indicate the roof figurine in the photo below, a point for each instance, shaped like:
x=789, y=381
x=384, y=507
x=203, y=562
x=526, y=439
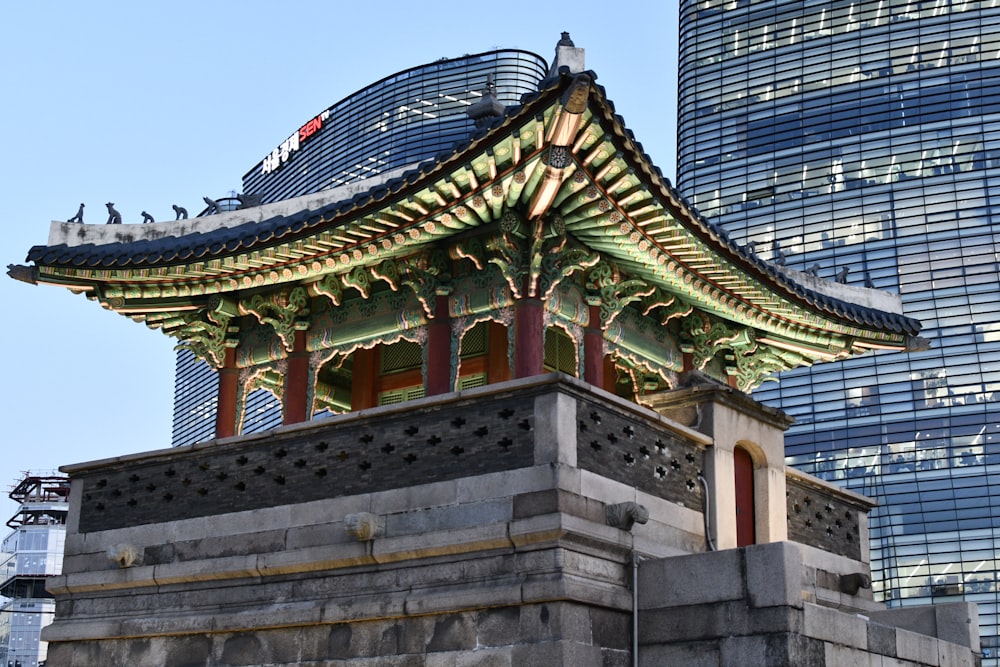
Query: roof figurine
x=114, y=217
x=779, y=257
x=212, y=206
x=79, y=215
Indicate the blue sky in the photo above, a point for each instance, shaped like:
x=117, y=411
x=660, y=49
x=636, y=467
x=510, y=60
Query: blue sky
x=158, y=103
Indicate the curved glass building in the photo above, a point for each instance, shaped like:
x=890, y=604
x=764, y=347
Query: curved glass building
x=861, y=140
x=403, y=119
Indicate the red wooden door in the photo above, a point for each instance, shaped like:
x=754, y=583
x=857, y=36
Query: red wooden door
x=743, y=466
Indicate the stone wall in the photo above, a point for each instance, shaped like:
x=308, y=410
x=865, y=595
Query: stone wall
x=639, y=453
x=828, y=518
x=756, y=606
x=541, y=635
x=483, y=527
x=490, y=546
x=363, y=453
x=481, y=432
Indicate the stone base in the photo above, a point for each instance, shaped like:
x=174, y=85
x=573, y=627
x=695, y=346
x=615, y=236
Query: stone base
x=555, y=633
x=751, y=607
x=490, y=527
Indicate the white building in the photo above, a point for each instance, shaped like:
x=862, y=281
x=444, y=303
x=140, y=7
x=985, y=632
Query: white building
x=30, y=553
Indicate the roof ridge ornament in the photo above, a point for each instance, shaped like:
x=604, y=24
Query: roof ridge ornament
x=568, y=56
x=488, y=107
x=26, y=274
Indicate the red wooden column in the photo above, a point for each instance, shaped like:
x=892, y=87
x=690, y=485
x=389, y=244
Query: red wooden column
x=743, y=472
x=229, y=382
x=296, y=408
x=529, y=337
x=363, y=371
x=438, y=380
x=610, y=375
x=687, y=357
x=593, y=348
x=497, y=363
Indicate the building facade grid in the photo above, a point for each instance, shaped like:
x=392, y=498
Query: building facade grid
x=860, y=140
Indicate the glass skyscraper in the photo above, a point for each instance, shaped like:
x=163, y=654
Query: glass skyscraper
x=860, y=141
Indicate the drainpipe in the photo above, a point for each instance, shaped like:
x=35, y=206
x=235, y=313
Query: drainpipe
x=625, y=516
x=635, y=608
x=707, y=508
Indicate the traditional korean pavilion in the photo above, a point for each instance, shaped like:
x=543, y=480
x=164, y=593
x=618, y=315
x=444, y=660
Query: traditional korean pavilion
x=540, y=521
x=546, y=241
